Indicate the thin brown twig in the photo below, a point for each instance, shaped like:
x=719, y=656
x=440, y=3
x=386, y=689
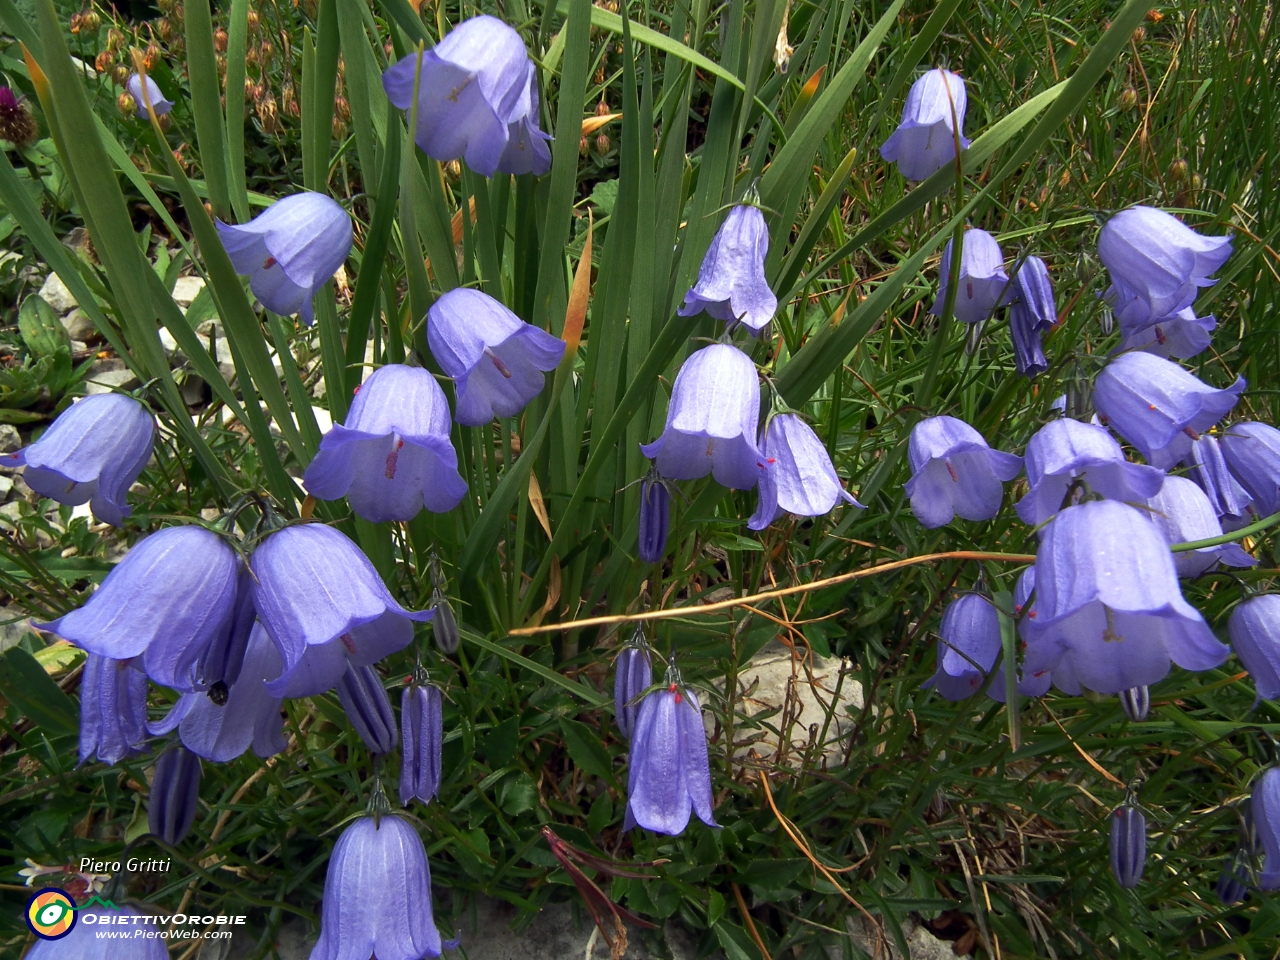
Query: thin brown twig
x=1080, y=750
x=751, y=926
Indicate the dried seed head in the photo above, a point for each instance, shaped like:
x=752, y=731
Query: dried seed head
x=601, y=108
x=268, y=114
x=126, y=104
x=75, y=23
x=1128, y=99
x=151, y=57
x=253, y=20
x=103, y=61
x=115, y=39
x=603, y=143
x=90, y=21
x=164, y=29
x=453, y=171
x=1179, y=170
x=220, y=40
x=339, y=129
x=1139, y=34
x=342, y=109
x=266, y=52
x=584, y=147
x=120, y=74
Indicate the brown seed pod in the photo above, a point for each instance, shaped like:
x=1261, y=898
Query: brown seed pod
x=220, y=40
x=268, y=114
x=603, y=143
x=1139, y=34
x=74, y=25
x=1128, y=99
x=103, y=62
x=1179, y=170
x=90, y=21
x=339, y=129
x=266, y=51
x=120, y=74
x=342, y=109
x=115, y=39
x=253, y=21
x=126, y=104
x=584, y=147
x=164, y=29
x=151, y=57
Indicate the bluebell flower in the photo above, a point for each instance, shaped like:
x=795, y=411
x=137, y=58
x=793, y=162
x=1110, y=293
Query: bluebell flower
x=158, y=103
x=1181, y=334
x=365, y=701
x=1109, y=614
x=1233, y=883
x=496, y=360
x=477, y=99
x=655, y=517
x=632, y=676
x=169, y=598
x=1264, y=805
x=1254, y=629
x=377, y=895
x=421, y=740
x=175, y=795
x=248, y=716
x=1208, y=468
x=1028, y=346
x=323, y=603
x=712, y=420
x=1252, y=452
x=731, y=282
x=86, y=942
x=925, y=140
x=968, y=645
x=113, y=709
x=1157, y=263
x=1128, y=845
x=798, y=476
x=220, y=664
x=393, y=456
x=1159, y=407
x=670, y=775
x=1031, y=313
x=290, y=250
x=92, y=453
x=1032, y=682
x=982, y=277
x=1066, y=451
x=953, y=471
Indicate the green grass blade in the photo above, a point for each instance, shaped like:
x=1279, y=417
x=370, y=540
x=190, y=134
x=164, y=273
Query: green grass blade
x=206, y=105
x=237, y=44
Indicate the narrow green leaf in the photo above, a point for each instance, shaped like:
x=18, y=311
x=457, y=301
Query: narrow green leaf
x=206, y=104
x=24, y=683
x=237, y=44
x=322, y=92
x=580, y=690
x=586, y=750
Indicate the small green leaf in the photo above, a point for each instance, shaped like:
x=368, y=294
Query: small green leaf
x=586, y=750
x=517, y=794
x=601, y=814
x=41, y=330
x=502, y=742
x=715, y=908
x=24, y=683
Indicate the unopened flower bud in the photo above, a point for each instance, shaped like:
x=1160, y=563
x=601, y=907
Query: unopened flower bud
x=342, y=109
x=655, y=518
x=453, y=171
x=602, y=143
x=126, y=104
x=175, y=794
x=74, y=25
x=365, y=701
x=1139, y=34
x=1128, y=845
x=151, y=57
x=1136, y=702
x=584, y=147
x=444, y=626
x=120, y=74
x=115, y=39
x=632, y=676
x=339, y=129
x=220, y=40
x=266, y=51
x=90, y=21
x=1179, y=170
x=102, y=63
x=1128, y=99
x=422, y=736
x=601, y=109
x=253, y=20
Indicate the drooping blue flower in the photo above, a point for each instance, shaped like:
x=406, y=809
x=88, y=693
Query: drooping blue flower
x=496, y=360
x=175, y=794
x=925, y=140
x=1252, y=452
x=1031, y=682
x=323, y=604
x=290, y=250
x=477, y=99
x=377, y=895
x=365, y=701
x=247, y=716
x=731, y=282
x=421, y=740
x=670, y=775
x=1208, y=468
x=953, y=471
x=86, y=942
x=1128, y=845
x=968, y=645
x=632, y=676
x=1066, y=451
x=92, y=453
x=393, y=456
x=166, y=601
x=1264, y=805
x=1159, y=407
x=982, y=277
x=153, y=93
x=1254, y=629
x=113, y=709
x=798, y=476
x=1031, y=313
x=1028, y=348
x=223, y=658
x=711, y=420
x=1183, y=513
x=1109, y=614
x=1181, y=334
x=655, y=517
x=1157, y=263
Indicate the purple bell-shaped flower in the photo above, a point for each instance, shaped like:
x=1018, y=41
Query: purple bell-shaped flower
x=113, y=709
x=477, y=99
x=290, y=250
x=377, y=895
x=1032, y=312
x=323, y=604
x=496, y=360
x=365, y=701
x=982, y=277
x=92, y=454
x=798, y=476
x=953, y=471
x=1065, y=452
x=220, y=665
x=393, y=456
x=1264, y=805
x=968, y=645
x=632, y=676
x=1109, y=614
x=731, y=283
x=655, y=517
x=1159, y=407
x=87, y=940
x=1181, y=334
x=169, y=598
x=712, y=420
x=1252, y=452
x=1030, y=684
x=158, y=103
x=925, y=140
x=1254, y=629
x=1183, y=513
x=670, y=775
x=421, y=740
x=175, y=794
x=1128, y=845
x=1208, y=468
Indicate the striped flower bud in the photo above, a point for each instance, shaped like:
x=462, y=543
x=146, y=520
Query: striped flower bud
x=633, y=674
x=175, y=794
x=365, y=701
x=1128, y=845
x=421, y=737
x=1136, y=702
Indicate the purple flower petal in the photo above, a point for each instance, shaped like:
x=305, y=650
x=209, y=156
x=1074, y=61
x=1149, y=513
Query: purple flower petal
x=955, y=472
x=798, y=476
x=925, y=140
x=113, y=709
x=1252, y=452
x=1254, y=629
x=175, y=794
x=731, y=282
x=982, y=277
x=158, y=103
x=1183, y=513
x=968, y=645
x=670, y=775
x=422, y=736
x=86, y=942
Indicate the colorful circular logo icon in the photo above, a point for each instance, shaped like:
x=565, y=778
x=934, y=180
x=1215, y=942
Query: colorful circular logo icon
x=51, y=914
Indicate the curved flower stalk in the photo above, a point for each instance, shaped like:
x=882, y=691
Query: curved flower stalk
x=477, y=99
x=85, y=942
x=393, y=456
x=1128, y=844
x=632, y=676
x=1252, y=452
x=655, y=517
x=968, y=645
x=495, y=359
x=421, y=740
x=953, y=471
x=1209, y=469
x=1183, y=513
x=1254, y=629
x=153, y=93
x=711, y=420
x=324, y=605
x=175, y=794
x=798, y=476
x=113, y=709
x=925, y=140
x=92, y=453
x=290, y=250
x=364, y=700
x=731, y=282
x=982, y=278
x=1264, y=806
x=170, y=597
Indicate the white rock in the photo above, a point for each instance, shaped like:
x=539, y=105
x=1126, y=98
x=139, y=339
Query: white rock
x=209, y=328
x=6, y=484
x=922, y=944
x=105, y=376
x=186, y=290
x=56, y=294
x=10, y=439
x=79, y=346
x=192, y=389
x=323, y=420
x=79, y=326
x=168, y=342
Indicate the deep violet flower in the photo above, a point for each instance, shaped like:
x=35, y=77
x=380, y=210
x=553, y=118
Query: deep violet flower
x=632, y=676
x=1252, y=451
x=925, y=140
x=175, y=794
x=290, y=250
x=323, y=604
x=113, y=709
x=248, y=716
x=393, y=456
x=1065, y=451
x=798, y=476
x=968, y=645
x=85, y=942
x=153, y=93
x=92, y=454
x=1264, y=806
x=1181, y=334
x=1183, y=513
x=17, y=125
x=1128, y=845
x=377, y=895
x=1159, y=407
x=1109, y=614
x=670, y=775
x=1254, y=629
x=655, y=517
x=365, y=701
x=166, y=601
x=1208, y=468
x=421, y=740
x=477, y=99
x=496, y=360
x=1157, y=263
x=982, y=277
x=731, y=282
x=711, y=420
x=953, y=471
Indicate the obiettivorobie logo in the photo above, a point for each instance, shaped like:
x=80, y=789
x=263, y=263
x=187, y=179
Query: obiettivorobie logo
x=52, y=914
